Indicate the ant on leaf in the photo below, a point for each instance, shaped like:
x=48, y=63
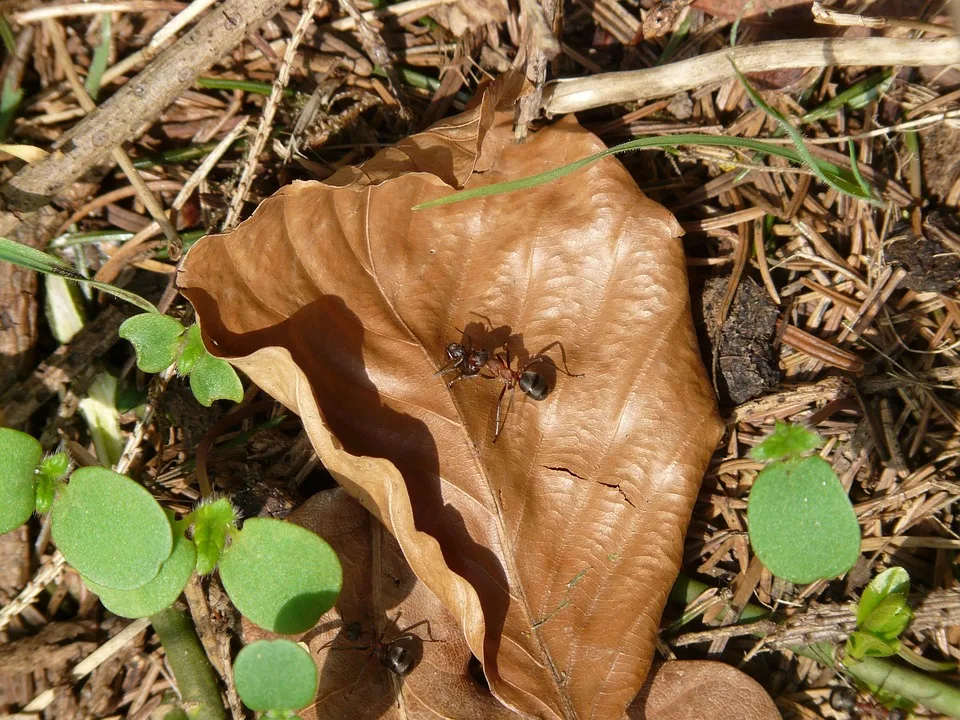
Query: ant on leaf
x=469, y=362
x=400, y=656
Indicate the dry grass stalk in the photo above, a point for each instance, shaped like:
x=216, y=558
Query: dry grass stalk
x=563, y=96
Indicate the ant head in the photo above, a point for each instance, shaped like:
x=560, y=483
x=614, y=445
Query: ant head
x=534, y=385
x=455, y=351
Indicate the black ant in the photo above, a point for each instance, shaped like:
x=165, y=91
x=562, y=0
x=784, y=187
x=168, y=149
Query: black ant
x=465, y=361
x=400, y=656
x=471, y=362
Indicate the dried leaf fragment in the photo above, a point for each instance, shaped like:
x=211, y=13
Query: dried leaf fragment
x=684, y=689
x=554, y=549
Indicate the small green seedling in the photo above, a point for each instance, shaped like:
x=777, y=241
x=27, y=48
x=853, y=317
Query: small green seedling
x=137, y=558
x=159, y=340
x=882, y=616
x=802, y=524
x=212, y=522
x=275, y=677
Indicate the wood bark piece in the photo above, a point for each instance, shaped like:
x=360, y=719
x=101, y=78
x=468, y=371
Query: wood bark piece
x=70, y=363
x=574, y=95
x=139, y=101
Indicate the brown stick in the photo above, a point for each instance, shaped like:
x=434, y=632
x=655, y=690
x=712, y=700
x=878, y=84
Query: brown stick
x=139, y=101
x=541, y=46
x=376, y=49
x=574, y=95
x=70, y=363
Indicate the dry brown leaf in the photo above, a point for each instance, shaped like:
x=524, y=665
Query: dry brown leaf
x=684, y=689
x=468, y=15
x=555, y=549
x=382, y=594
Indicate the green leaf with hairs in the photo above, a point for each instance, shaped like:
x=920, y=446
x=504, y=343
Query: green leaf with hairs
x=155, y=338
x=788, y=440
x=214, y=379
x=19, y=455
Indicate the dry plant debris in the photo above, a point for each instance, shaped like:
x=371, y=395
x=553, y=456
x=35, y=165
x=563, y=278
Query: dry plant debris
x=865, y=339
x=574, y=520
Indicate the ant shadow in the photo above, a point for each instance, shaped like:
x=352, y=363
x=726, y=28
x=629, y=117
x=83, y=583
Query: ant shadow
x=326, y=340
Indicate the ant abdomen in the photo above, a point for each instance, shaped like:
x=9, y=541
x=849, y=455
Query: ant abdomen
x=401, y=656
x=534, y=385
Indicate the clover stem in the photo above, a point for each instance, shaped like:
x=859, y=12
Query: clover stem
x=195, y=676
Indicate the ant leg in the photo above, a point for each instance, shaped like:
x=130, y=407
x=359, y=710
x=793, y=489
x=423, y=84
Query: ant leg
x=501, y=423
x=541, y=358
x=450, y=366
x=469, y=339
x=466, y=377
x=496, y=433
x=406, y=631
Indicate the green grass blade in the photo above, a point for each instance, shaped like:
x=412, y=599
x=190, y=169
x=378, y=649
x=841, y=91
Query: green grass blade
x=855, y=168
x=32, y=259
x=799, y=144
x=854, y=97
x=6, y=32
x=100, y=58
x=248, y=86
x=838, y=175
x=10, y=98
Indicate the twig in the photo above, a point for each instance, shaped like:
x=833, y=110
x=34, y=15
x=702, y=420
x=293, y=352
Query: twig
x=541, y=46
x=139, y=101
x=113, y=266
x=574, y=95
x=397, y=10
x=146, y=53
x=269, y=110
x=376, y=49
x=70, y=363
x=110, y=648
x=46, y=575
x=48, y=13
x=828, y=16
x=174, y=244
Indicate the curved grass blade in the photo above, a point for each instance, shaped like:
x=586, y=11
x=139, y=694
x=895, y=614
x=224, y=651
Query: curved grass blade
x=855, y=97
x=101, y=57
x=839, y=176
x=802, y=150
x=32, y=259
